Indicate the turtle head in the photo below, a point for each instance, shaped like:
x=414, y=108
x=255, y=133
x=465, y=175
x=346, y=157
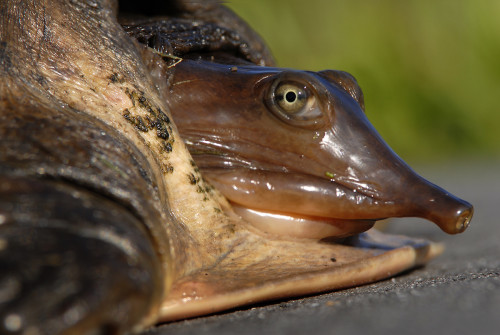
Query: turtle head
x=295, y=153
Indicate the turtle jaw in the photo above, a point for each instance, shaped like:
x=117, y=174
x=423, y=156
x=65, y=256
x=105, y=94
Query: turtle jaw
x=301, y=226
x=314, y=207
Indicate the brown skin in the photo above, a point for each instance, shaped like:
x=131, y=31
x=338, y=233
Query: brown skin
x=106, y=225
x=262, y=156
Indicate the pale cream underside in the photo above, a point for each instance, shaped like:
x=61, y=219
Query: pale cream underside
x=264, y=270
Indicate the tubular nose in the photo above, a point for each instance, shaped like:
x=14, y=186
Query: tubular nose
x=464, y=217
x=452, y=215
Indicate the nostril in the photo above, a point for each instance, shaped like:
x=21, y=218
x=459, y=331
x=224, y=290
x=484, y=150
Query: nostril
x=464, y=219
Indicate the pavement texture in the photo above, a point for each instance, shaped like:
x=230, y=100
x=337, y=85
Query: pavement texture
x=457, y=293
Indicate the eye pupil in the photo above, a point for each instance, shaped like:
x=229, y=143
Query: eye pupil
x=291, y=96
x=295, y=101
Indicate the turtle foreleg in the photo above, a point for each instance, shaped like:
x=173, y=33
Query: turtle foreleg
x=72, y=261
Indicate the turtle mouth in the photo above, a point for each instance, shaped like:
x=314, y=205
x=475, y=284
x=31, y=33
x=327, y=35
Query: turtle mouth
x=296, y=205
x=290, y=225
x=307, y=206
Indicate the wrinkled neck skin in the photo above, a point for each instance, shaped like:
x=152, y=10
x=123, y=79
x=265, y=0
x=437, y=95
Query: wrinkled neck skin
x=321, y=164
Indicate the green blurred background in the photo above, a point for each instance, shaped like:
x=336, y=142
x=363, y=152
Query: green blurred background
x=430, y=70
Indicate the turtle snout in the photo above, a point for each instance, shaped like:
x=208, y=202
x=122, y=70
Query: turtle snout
x=449, y=212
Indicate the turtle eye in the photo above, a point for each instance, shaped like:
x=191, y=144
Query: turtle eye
x=294, y=103
x=291, y=98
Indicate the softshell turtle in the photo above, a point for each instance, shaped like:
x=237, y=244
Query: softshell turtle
x=107, y=224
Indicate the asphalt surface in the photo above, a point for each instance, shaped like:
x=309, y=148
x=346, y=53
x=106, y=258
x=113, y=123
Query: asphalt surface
x=457, y=293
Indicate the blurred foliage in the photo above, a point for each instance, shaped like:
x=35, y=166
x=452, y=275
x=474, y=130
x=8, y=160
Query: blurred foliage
x=430, y=70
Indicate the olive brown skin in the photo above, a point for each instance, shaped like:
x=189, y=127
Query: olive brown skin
x=106, y=223
x=315, y=154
